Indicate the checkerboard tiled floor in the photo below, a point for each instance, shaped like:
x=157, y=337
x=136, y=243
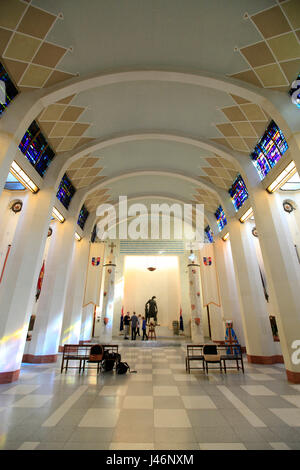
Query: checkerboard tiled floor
x=160, y=407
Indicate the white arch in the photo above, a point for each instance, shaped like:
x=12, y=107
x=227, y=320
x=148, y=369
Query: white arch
x=62, y=162
x=27, y=106
x=154, y=196
x=81, y=195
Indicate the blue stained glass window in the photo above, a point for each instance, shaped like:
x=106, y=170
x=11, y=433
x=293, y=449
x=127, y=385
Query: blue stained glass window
x=269, y=149
x=221, y=218
x=83, y=215
x=36, y=149
x=238, y=193
x=65, y=191
x=208, y=235
x=10, y=89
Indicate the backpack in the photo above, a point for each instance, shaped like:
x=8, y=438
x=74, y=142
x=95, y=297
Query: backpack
x=108, y=364
x=122, y=367
x=109, y=360
x=96, y=353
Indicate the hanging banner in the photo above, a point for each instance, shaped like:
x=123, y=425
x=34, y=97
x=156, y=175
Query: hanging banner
x=40, y=282
x=94, y=274
x=209, y=280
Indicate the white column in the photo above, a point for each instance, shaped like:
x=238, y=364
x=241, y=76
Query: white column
x=256, y=324
x=107, y=313
x=228, y=287
x=196, y=303
x=47, y=329
x=70, y=333
x=92, y=290
x=17, y=290
x=283, y=273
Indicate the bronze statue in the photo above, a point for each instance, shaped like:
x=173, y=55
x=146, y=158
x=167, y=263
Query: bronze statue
x=151, y=310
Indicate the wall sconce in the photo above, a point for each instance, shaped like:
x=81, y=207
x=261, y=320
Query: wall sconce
x=284, y=176
x=23, y=178
x=57, y=215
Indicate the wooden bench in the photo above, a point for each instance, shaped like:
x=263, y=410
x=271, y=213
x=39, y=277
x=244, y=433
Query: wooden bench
x=81, y=353
x=231, y=353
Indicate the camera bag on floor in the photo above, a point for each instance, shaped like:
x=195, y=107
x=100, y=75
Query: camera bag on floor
x=122, y=367
x=109, y=360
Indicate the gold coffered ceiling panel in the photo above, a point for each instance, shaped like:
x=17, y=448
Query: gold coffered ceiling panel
x=269, y=58
x=23, y=32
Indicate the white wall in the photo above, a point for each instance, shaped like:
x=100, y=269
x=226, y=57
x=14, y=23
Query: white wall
x=140, y=285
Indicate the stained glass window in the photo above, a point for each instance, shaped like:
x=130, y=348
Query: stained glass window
x=83, y=215
x=221, y=218
x=10, y=89
x=208, y=235
x=238, y=193
x=269, y=149
x=36, y=148
x=65, y=191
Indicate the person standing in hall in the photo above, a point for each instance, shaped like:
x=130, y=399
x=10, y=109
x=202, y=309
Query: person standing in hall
x=134, y=323
x=144, y=326
x=126, y=325
x=139, y=325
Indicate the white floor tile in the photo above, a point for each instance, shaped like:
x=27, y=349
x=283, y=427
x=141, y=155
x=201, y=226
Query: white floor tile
x=184, y=378
x=113, y=390
x=171, y=419
x=259, y=376
x=165, y=391
x=32, y=401
x=222, y=446
x=293, y=399
x=194, y=402
x=162, y=371
x=131, y=446
x=138, y=402
x=29, y=445
x=141, y=378
x=290, y=416
x=100, y=418
x=257, y=390
x=279, y=445
x=21, y=390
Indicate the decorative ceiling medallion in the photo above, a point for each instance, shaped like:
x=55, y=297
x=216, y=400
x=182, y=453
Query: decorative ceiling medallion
x=255, y=232
x=287, y=207
x=17, y=206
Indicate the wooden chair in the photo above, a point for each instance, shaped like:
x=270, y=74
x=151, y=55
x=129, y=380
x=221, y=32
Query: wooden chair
x=211, y=356
x=96, y=356
x=151, y=332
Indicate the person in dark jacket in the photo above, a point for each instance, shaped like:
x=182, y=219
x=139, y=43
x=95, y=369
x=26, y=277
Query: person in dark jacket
x=144, y=326
x=134, y=324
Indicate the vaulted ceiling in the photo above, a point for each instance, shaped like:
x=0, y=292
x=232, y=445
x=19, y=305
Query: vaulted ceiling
x=255, y=42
